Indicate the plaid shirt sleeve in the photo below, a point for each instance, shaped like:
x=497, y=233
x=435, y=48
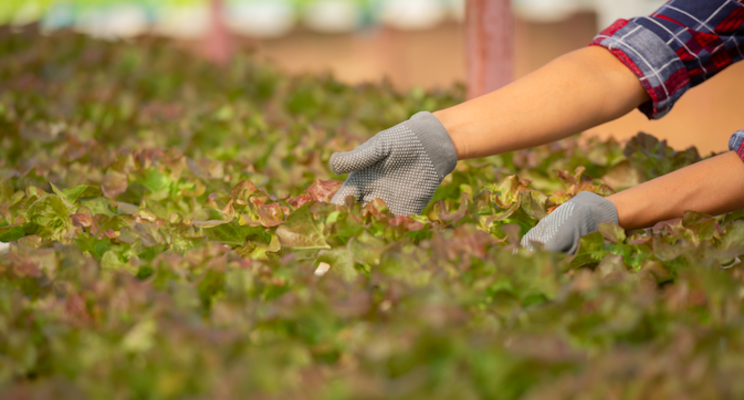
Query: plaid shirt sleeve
x=679, y=46
x=737, y=143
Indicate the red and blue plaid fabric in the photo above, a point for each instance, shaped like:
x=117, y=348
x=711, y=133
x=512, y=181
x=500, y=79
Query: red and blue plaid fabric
x=681, y=45
x=737, y=143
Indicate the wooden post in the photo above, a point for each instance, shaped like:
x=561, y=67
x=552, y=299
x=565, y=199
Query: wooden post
x=490, y=45
x=217, y=43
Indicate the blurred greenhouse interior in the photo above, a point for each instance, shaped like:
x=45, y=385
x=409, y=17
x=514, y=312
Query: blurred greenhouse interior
x=412, y=43
x=187, y=19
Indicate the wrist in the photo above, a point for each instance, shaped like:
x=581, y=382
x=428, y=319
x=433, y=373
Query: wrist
x=436, y=142
x=450, y=125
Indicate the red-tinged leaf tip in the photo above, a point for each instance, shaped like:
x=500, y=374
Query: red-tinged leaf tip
x=640, y=240
x=270, y=215
x=82, y=220
x=407, y=223
x=228, y=209
x=533, y=203
x=258, y=202
x=110, y=233
x=300, y=200
x=114, y=183
x=666, y=225
x=455, y=216
x=300, y=231
x=243, y=190
x=506, y=193
x=76, y=309
x=31, y=241
x=323, y=191
x=376, y=208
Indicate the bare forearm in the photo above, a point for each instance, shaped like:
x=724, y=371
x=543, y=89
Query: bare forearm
x=714, y=186
x=571, y=94
x=575, y=92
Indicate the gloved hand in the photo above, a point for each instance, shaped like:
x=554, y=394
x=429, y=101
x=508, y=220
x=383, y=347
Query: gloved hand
x=562, y=229
x=402, y=165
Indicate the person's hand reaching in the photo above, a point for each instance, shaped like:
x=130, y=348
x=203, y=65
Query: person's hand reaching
x=402, y=165
x=562, y=229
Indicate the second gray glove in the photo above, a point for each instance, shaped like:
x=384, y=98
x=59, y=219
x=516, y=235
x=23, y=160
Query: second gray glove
x=402, y=165
x=562, y=229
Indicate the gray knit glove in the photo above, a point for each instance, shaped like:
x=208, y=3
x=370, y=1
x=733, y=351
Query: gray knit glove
x=402, y=165
x=562, y=229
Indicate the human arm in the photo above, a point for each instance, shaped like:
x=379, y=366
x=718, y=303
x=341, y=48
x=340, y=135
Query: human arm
x=404, y=164
x=713, y=186
x=647, y=62
x=575, y=92
x=683, y=44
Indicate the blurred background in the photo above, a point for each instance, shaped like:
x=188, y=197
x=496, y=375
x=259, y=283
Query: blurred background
x=412, y=43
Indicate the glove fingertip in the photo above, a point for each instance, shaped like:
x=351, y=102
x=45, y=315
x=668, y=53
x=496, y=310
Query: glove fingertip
x=363, y=157
x=335, y=165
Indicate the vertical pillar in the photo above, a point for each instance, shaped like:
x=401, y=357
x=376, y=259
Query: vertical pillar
x=490, y=45
x=217, y=44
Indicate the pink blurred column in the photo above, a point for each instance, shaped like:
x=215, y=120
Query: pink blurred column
x=217, y=43
x=490, y=45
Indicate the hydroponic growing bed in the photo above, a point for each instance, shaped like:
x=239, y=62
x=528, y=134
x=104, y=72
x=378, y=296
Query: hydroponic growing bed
x=170, y=237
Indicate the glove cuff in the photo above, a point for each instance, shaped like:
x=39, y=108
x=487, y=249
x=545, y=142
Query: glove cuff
x=602, y=210
x=436, y=141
